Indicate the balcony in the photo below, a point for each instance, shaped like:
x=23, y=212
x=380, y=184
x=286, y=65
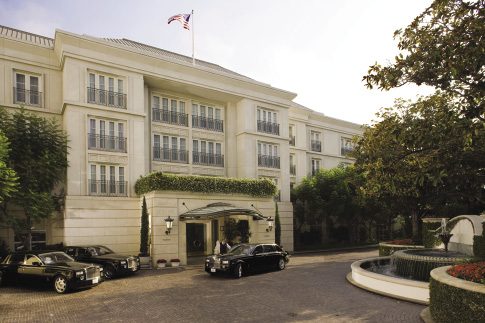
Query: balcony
x=207, y=123
x=108, y=188
x=207, y=159
x=166, y=116
x=268, y=161
x=269, y=127
x=345, y=150
x=22, y=96
x=108, y=98
x=170, y=155
x=106, y=143
x=292, y=141
x=316, y=145
x=293, y=170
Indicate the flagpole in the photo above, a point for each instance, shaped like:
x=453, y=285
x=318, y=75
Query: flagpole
x=193, y=40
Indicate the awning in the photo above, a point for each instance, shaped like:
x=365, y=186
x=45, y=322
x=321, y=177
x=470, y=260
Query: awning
x=217, y=210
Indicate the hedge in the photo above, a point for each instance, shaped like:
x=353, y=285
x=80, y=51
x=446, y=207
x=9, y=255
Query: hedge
x=429, y=232
x=158, y=181
x=386, y=249
x=479, y=244
x=452, y=304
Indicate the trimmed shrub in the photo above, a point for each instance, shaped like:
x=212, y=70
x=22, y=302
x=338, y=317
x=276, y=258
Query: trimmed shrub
x=452, y=304
x=479, y=245
x=429, y=232
x=158, y=181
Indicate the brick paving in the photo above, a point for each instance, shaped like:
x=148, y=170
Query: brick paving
x=312, y=288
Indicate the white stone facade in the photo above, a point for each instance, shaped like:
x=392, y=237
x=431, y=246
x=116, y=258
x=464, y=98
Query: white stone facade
x=130, y=109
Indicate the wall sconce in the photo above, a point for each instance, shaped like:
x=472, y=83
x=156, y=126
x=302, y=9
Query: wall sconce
x=169, y=223
x=270, y=224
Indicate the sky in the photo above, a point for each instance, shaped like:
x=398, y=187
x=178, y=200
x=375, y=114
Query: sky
x=318, y=49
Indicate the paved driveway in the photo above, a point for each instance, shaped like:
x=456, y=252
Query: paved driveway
x=312, y=288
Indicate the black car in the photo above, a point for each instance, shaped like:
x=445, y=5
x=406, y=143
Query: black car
x=114, y=264
x=50, y=267
x=244, y=258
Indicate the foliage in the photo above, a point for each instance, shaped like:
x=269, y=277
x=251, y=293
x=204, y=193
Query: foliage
x=201, y=184
x=430, y=240
x=451, y=304
x=243, y=230
x=175, y=260
x=443, y=48
x=277, y=229
x=230, y=230
x=8, y=179
x=161, y=261
x=402, y=242
x=4, y=250
x=473, y=272
x=38, y=155
x=479, y=245
x=144, y=230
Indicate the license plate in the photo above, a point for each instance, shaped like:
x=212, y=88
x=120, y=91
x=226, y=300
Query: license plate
x=95, y=280
x=213, y=270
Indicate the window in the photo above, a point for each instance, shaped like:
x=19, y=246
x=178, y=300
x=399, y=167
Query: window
x=176, y=115
x=206, y=117
x=292, y=165
x=38, y=240
x=114, y=141
x=316, y=144
x=268, y=155
x=173, y=149
x=292, y=136
x=27, y=90
x=315, y=166
x=106, y=90
x=107, y=180
x=346, y=146
x=267, y=122
x=210, y=153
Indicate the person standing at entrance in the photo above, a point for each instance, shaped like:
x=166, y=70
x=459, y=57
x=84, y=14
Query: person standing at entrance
x=222, y=248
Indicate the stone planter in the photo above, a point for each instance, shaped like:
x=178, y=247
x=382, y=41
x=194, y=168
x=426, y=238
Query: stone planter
x=175, y=264
x=161, y=265
x=145, y=262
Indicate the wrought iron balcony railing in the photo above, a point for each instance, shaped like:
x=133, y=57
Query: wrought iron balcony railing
x=106, y=143
x=292, y=140
x=207, y=123
x=345, y=150
x=316, y=145
x=170, y=155
x=108, y=188
x=268, y=161
x=207, y=159
x=166, y=116
x=23, y=96
x=269, y=127
x=293, y=169
x=108, y=98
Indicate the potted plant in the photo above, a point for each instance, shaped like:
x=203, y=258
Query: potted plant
x=175, y=262
x=161, y=263
x=144, y=244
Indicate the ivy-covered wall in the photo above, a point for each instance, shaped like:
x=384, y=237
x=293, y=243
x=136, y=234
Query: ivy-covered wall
x=158, y=181
x=479, y=245
x=429, y=232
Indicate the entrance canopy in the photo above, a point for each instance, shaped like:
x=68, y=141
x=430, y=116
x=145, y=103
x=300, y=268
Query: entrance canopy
x=217, y=210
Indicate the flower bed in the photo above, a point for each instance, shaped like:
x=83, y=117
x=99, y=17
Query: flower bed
x=473, y=272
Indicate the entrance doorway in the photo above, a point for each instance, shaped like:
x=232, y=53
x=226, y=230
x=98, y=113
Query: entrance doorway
x=196, y=239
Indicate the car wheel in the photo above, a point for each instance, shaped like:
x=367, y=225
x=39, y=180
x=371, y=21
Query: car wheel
x=109, y=272
x=281, y=264
x=238, y=271
x=60, y=284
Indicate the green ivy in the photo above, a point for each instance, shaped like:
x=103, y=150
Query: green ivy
x=158, y=181
x=429, y=234
x=452, y=304
x=479, y=244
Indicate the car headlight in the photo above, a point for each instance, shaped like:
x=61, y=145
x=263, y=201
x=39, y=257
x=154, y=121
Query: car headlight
x=80, y=275
x=123, y=262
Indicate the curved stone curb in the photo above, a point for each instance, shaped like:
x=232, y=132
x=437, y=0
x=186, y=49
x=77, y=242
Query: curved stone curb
x=442, y=276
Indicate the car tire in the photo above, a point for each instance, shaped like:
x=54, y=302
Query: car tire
x=61, y=285
x=281, y=264
x=109, y=272
x=238, y=271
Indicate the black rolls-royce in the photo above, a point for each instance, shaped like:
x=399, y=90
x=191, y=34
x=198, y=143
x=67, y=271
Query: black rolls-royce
x=245, y=257
x=50, y=267
x=114, y=264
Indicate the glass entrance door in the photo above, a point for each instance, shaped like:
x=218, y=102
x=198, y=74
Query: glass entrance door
x=196, y=239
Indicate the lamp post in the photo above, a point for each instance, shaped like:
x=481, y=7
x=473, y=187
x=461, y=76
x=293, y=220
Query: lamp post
x=169, y=223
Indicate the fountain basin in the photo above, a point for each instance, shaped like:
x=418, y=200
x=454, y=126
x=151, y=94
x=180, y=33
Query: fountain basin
x=400, y=288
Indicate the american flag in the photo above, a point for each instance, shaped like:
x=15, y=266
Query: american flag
x=184, y=19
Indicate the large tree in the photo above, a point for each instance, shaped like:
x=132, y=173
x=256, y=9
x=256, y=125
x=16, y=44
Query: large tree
x=38, y=155
x=8, y=179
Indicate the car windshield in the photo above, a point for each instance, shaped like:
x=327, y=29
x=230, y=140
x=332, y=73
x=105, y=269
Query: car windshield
x=55, y=257
x=241, y=249
x=99, y=250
